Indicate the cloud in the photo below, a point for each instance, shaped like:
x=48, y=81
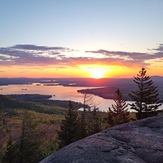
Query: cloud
x=34, y=47
x=31, y=55
x=136, y=56
x=61, y=57
x=160, y=48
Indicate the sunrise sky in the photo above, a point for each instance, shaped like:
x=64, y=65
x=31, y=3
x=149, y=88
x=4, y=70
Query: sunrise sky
x=80, y=38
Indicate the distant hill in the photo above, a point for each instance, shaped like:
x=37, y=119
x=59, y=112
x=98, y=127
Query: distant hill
x=126, y=85
x=87, y=82
x=45, y=100
x=157, y=78
x=11, y=104
x=45, y=121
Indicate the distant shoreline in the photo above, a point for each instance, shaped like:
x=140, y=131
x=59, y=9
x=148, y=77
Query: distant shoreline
x=103, y=88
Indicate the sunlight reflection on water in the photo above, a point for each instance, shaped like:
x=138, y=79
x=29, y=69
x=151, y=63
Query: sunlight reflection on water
x=58, y=92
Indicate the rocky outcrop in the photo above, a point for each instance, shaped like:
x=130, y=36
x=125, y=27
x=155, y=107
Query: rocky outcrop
x=137, y=142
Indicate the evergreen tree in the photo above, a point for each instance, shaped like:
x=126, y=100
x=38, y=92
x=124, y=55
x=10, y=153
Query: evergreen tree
x=118, y=113
x=28, y=145
x=94, y=124
x=83, y=125
x=69, y=127
x=146, y=96
x=9, y=156
x=3, y=133
x=90, y=120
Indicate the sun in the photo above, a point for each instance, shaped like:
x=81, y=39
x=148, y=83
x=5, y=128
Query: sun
x=97, y=73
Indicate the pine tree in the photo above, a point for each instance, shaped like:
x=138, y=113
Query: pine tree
x=4, y=130
x=28, y=145
x=146, y=96
x=83, y=124
x=9, y=152
x=118, y=113
x=90, y=119
x=69, y=127
x=94, y=124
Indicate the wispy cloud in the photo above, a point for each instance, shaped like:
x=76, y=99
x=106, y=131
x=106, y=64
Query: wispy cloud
x=34, y=47
x=33, y=55
x=136, y=56
x=160, y=48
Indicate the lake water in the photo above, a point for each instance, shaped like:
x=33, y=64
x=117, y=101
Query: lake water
x=58, y=93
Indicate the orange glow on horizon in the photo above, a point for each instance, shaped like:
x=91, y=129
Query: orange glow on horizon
x=96, y=71
x=82, y=71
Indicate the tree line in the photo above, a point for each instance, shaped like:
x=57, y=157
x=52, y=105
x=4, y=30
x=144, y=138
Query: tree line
x=145, y=103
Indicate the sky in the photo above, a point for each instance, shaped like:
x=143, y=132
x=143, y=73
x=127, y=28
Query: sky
x=80, y=38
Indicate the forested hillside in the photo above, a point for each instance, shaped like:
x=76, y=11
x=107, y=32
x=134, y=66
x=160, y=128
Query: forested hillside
x=44, y=120
x=29, y=126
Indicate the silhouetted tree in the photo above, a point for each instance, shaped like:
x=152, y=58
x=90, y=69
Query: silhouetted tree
x=88, y=103
x=146, y=96
x=118, y=113
x=90, y=119
x=70, y=127
x=94, y=124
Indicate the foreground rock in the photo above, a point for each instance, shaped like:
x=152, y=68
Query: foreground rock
x=137, y=142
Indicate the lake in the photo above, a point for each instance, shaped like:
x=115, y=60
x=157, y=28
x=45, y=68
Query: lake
x=58, y=92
